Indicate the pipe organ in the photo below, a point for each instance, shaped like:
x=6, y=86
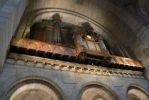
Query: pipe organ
x=91, y=42
x=58, y=40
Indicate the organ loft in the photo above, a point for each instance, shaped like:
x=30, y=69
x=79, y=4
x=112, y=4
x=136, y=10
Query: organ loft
x=73, y=50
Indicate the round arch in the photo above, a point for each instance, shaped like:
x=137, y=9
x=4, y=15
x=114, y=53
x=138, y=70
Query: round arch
x=34, y=87
x=97, y=91
x=46, y=13
x=135, y=92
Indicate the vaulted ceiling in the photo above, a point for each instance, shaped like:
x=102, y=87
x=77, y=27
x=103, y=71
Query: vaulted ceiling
x=140, y=7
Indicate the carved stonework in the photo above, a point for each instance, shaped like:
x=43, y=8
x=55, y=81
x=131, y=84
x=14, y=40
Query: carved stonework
x=137, y=94
x=97, y=93
x=70, y=66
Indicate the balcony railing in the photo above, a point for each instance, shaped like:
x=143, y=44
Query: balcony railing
x=60, y=52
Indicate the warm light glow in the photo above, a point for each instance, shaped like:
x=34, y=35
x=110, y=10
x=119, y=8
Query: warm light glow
x=89, y=37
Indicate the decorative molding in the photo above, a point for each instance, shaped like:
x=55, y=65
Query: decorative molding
x=20, y=59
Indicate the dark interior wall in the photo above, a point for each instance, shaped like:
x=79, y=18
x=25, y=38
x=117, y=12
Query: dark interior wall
x=122, y=23
x=118, y=24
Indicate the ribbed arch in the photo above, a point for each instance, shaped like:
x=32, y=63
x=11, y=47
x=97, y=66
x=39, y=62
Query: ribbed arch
x=97, y=92
x=137, y=93
x=35, y=88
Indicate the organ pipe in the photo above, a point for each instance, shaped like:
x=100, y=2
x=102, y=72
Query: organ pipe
x=57, y=28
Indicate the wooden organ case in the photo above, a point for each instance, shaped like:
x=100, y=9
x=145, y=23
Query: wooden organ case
x=91, y=43
x=55, y=40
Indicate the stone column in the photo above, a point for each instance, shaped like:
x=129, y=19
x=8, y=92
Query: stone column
x=10, y=15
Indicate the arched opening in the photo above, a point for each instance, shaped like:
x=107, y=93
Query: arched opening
x=135, y=93
x=80, y=39
x=35, y=89
x=97, y=92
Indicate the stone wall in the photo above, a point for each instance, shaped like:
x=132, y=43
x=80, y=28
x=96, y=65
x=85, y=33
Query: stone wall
x=70, y=84
x=121, y=26
x=10, y=15
x=114, y=22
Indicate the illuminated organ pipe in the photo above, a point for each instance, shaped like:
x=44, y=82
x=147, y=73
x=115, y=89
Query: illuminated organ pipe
x=55, y=35
x=57, y=28
x=76, y=43
x=81, y=41
x=102, y=45
x=88, y=36
x=90, y=40
x=48, y=34
x=47, y=31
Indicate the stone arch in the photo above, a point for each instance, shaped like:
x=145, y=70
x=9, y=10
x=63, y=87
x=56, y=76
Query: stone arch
x=135, y=92
x=37, y=88
x=48, y=12
x=97, y=91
